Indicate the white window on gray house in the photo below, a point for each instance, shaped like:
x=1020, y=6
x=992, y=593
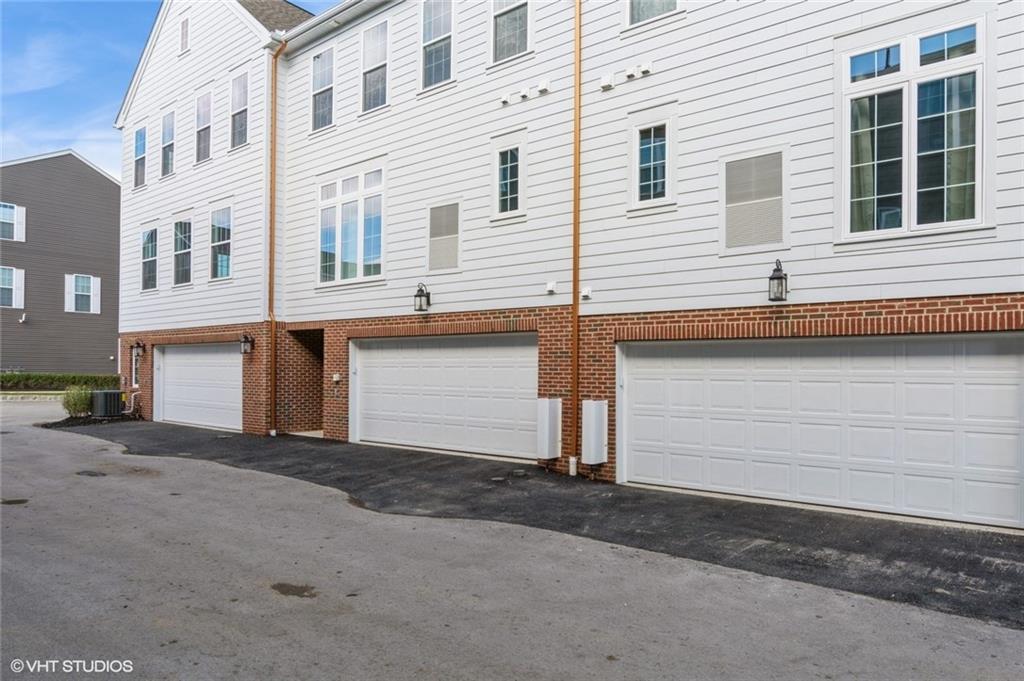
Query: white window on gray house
x=239, y=110
x=12, y=222
x=183, y=35
x=437, y=42
x=375, y=66
x=323, y=89
x=81, y=293
x=204, y=117
x=182, y=252
x=754, y=201
x=167, y=145
x=444, y=237
x=511, y=28
x=652, y=160
x=351, y=225
x=642, y=10
x=12, y=287
x=140, y=157
x=149, y=259
x=508, y=180
x=220, y=243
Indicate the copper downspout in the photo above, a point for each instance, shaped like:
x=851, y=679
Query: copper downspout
x=273, y=238
x=576, y=106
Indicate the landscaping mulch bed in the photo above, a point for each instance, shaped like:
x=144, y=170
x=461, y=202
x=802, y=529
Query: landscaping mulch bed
x=75, y=421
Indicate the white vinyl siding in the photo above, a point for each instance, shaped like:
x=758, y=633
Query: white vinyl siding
x=149, y=260
x=437, y=54
x=140, y=157
x=510, y=29
x=322, y=82
x=182, y=252
x=204, y=118
x=81, y=293
x=754, y=202
x=12, y=222
x=167, y=145
x=12, y=287
x=443, y=250
x=239, y=110
x=351, y=226
x=220, y=243
x=375, y=66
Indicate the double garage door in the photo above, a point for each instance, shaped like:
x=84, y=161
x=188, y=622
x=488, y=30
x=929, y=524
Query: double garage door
x=459, y=393
x=199, y=385
x=928, y=427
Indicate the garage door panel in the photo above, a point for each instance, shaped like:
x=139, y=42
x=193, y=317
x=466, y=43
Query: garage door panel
x=201, y=384
x=919, y=426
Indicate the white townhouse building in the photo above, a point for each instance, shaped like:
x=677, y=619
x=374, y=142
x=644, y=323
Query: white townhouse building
x=768, y=249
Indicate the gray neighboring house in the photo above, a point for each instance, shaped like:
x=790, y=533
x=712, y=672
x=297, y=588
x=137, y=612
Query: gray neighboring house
x=59, y=234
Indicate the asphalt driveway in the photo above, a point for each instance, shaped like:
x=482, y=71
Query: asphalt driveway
x=974, y=573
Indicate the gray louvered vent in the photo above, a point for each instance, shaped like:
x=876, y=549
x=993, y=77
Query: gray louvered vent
x=753, y=201
x=444, y=237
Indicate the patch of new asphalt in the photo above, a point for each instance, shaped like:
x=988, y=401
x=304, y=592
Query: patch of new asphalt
x=974, y=573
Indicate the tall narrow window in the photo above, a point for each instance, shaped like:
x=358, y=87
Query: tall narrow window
x=754, y=201
x=652, y=158
x=239, y=110
x=183, y=35
x=323, y=89
x=182, y=252
x=149, y=260
x=508, y=180
x=946, y=122
x=167, y=145
x=444, y=237
x=372, y=224
x=6, y=287
x=351, y=227
x=642, y=10
x=375, y=66
x=140, y=157
x=437, y=42
x=510, y=28
x=220, y=243
x=876, y=162
x=328, y=242
x=83, y=293
x=136, y=362
x=204, y=115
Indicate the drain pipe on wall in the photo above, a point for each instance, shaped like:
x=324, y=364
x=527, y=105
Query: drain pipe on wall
x=574, y=443
x=272, y=235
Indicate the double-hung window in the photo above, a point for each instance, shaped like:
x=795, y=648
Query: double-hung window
x=239, y=110
x=508, y=193
x=437, y=42
x=204, y=116
x=351, y=222
x=375, y=66
x=167, y=145
x=12, y=287
x=912, y=133
x=182, y=252
x=140, y=157
x=149, y=259
x=510, y=28
x=12, y=222
x=643, y=10
x=220, y=243
x=323, y=89
x=81, y=293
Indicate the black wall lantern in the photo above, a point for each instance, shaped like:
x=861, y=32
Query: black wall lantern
x=421, y=301
x=138, y=348
x=245, y=344
x=778, y=283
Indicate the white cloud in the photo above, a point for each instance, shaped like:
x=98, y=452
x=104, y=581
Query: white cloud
x=92, y=136
x=47, y=61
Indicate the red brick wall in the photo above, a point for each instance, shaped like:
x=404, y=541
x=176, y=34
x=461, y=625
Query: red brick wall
x=300, y=374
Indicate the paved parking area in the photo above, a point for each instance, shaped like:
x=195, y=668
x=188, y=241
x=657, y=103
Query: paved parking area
x=969, y=572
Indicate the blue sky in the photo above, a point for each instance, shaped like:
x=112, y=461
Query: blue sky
x=64, y=67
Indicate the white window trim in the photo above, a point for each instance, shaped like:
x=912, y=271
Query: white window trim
x=423, y=46
x=232, y=110
x=386, y=64
x=19, y=222
x=230, y=241
x=17, y=288
x=190, y=250
x=783, y=245
x=195, y=139
x=460, y=202
x=94, y=293
x=136, y=360
x=907, y=35
x=662, y=114
x=491, y=61
x=503, y=142
x=143, y=260
x=184, y=35
x=627, y=26
x=163, y=146
x=136, y=156
x=358, y=170
x=313, y=92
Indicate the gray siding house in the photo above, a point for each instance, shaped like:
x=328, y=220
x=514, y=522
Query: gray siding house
x=59, y=232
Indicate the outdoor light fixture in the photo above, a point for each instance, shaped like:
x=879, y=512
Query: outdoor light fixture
x=421, y=301
x=138, y=348
x=245, y=344
x=778, y=283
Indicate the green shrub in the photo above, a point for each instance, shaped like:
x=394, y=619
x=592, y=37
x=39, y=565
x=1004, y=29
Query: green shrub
x=78, y=400
x=20, y=380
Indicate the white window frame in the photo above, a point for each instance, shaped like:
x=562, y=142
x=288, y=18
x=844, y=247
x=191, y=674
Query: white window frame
x=233, y=110
x=17, y=288
x=663, y=114
x=184, y=39
x=136, y=360
x=70, y=294
x=229, y=241
x=458, y=202
x=313, y=91
x=165, y=172
x=491, y=34
x=143, y=260
x=209, y=126
x=190, y=250
x=136, y=156
x=907, y=35
x=783, y=245
x=18, y=226
x=425, y=44
x=499, y=143
x=364, y=68
x=360, y=171
x=626, y=15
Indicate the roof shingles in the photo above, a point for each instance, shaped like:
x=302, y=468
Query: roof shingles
x=275, y=15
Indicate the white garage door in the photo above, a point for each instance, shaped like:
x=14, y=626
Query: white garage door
x=199, y=385
x=920, y=426
x=462, y=393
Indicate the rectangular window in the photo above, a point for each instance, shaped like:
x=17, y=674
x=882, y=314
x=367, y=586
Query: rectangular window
x=136, y=362
x=83, y=293
x=167, y=145
x=239, y=110
x=508, y=180
x=323, y=89
x=959, y=42
x=351, y=227
x=642, y=10
x=140, y=157
x=6, y=287
x=444, y=237
x=182, y=252
x=876, y=161
x=437, y=42
x=183, y=35
x=754, y=201
x=149, y=259
x=220, y=243
x=510, y=28
x=375, y=66
x=946, y=128
x=652, y=160
x=8, y=212
x=875, y=64
x=204, y=115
